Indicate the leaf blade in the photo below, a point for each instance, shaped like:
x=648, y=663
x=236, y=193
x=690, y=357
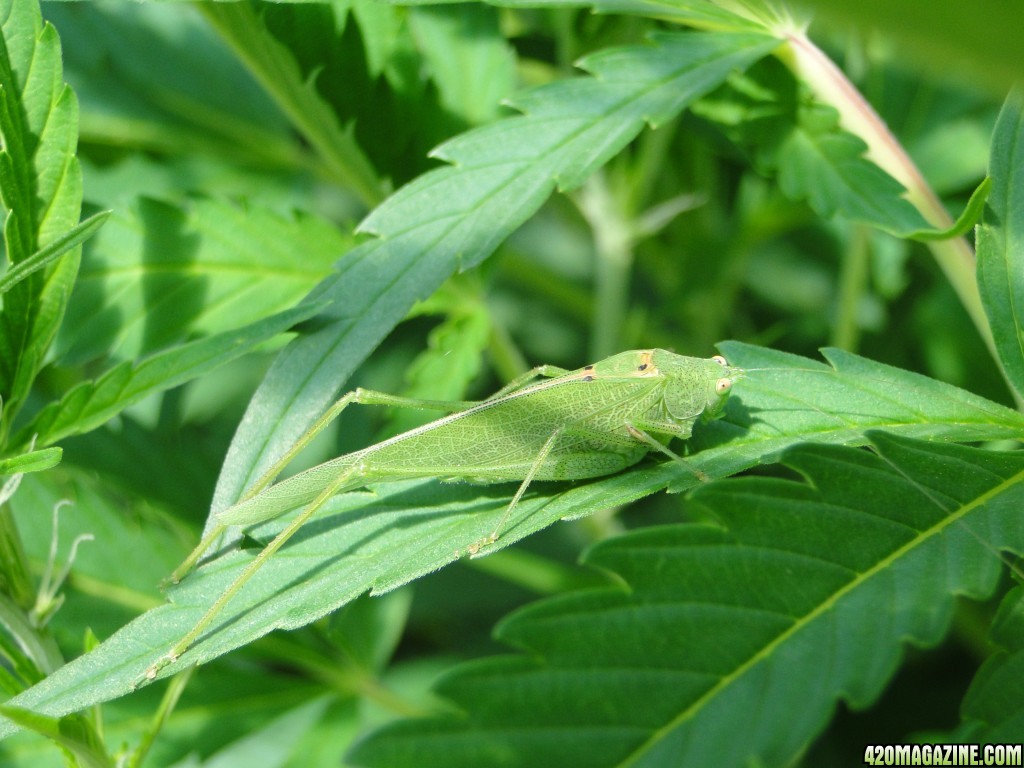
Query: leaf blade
x=820, y=162
x=52, y=251
x=1001, y=242
x=992, y=706
x=41, y=189
x=162, y=273
x=274, y=65
x=91, y=403
x=782, y=611
x=32, y=461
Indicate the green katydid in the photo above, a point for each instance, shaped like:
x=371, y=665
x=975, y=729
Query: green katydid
x=574, y=425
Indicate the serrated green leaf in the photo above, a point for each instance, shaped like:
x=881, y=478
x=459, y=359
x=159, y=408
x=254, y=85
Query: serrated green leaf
x=472, y=65
x=378, y=541
x=53, y=251
x=825, y=165
x=161, y=274
x=1001, y=242
x=41, y=188
x=786, y=395
x=364, y=64
x=206, y=105
x=92, y=403
x=276, y=68
x=993, y=708
x=33, y=461
x=73, y=733
x=362, y=61
x=454, y=217
x=805, y=596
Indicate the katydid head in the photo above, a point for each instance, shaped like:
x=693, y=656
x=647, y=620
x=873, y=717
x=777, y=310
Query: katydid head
x=696, y=386
x=719, y=378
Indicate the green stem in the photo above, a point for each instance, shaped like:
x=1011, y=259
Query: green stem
x=613, y=247
x=342, y=675
x=163, y=713
x=852, y=281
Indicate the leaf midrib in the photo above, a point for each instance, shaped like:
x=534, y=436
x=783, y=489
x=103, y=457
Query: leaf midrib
x=883, y=564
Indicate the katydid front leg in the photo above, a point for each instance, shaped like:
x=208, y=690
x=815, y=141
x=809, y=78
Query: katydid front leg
x=642, y=436
x=659, y=446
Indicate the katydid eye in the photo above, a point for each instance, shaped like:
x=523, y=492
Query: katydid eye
x=721, y=361
x=722, y=386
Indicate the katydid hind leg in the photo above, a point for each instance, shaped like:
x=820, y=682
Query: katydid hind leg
x=540, y=371
x=189, y=562
x=360, y=396
x=375, y=397
x=307, y=437
x=268, y=477
x=345, y=479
